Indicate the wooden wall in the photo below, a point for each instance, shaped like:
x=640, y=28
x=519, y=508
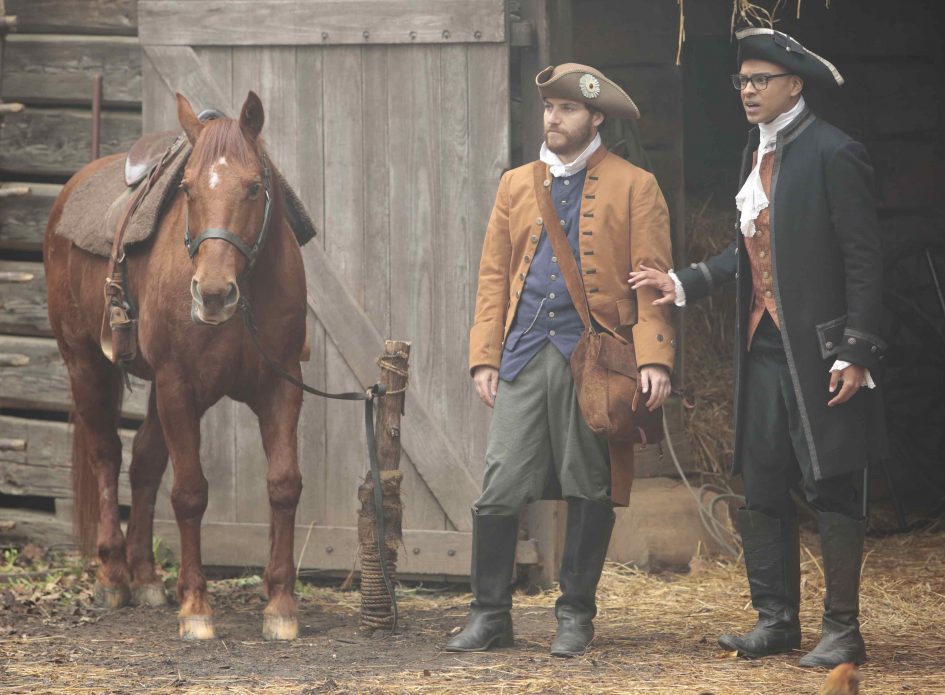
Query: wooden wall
x=47, y=65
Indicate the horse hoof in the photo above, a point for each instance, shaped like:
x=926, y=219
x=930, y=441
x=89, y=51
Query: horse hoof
x=149, y=595
x=194, y=627
x=277, y=627
x=112, y=597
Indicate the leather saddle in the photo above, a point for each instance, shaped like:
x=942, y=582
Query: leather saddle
x=145, y=154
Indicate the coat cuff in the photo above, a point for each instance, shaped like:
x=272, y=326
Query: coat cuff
x=654, y=343
x=859, y=347
x=485, y=344
x=696, y=281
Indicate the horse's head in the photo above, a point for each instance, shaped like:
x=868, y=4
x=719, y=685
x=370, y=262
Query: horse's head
x=227, y=185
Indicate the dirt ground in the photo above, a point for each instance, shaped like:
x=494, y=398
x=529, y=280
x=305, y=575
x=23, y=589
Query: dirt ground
x=656, y=634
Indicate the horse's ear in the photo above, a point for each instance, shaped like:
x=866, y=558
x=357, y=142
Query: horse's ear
x=188, y=119
x=252, y=116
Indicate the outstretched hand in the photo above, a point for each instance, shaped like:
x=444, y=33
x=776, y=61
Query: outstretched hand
x=650, y=277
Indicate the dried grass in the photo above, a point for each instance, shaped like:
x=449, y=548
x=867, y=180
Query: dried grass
x=655, y=635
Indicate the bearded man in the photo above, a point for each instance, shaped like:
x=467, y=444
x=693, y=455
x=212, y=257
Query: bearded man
x=808, y=270
x=526, y=327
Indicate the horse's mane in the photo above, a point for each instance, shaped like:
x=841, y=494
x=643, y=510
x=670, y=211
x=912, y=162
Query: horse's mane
x=224, y=137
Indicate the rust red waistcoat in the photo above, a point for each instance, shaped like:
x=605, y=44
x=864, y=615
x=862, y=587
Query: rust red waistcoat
x=759, y=256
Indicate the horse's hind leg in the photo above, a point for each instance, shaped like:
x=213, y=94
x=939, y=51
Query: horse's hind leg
x=148, y=463
x=96, y=392
x=278, y=410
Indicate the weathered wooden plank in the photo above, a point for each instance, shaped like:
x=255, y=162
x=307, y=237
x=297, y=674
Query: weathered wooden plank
x=23, y=298
x=45, y=68
x=182, y=71
x=336, y=547
x=44, y=467
x=307, y=22
x=26, y=525
x=344, y=244
x=43, y=383
x=313, y=432
x=74, y=16
x=487, y=70
x=23, y=217
x=57, y=141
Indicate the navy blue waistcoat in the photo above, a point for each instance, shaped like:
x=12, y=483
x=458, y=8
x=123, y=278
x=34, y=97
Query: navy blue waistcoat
x=545, y=311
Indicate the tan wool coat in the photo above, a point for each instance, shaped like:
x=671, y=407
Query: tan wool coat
x=624, y=223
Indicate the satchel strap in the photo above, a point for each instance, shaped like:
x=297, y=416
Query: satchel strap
x=560, y=245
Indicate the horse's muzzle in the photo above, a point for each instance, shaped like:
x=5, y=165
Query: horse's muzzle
x=213, y=308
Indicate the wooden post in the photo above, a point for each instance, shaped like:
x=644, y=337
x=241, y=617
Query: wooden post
x=376, y=605
x=96, y=114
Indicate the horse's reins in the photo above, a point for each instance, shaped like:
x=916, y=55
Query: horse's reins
x=368, y=396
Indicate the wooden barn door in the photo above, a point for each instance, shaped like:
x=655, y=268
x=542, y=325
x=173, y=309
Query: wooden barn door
x=391, y=120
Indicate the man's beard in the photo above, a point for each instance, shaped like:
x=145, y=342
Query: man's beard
x=575, y=141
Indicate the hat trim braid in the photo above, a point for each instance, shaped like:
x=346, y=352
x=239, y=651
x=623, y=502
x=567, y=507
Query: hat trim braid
x=603, y=78
x=759, y=31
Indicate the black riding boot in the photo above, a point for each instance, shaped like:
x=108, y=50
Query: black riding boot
x=585, y=547
x=493, y=561
x=841, y=539
x=772, y=559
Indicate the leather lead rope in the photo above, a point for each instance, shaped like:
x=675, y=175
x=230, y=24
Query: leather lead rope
x=368, y=396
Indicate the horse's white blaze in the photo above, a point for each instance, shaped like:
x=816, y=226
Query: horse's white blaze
x=214, y=176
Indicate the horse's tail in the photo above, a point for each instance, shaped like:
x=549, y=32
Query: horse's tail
x=85, y=490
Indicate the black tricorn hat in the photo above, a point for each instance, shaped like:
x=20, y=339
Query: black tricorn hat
x=777, y=47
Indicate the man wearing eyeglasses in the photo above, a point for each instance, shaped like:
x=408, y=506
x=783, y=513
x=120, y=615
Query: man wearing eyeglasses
x=808, y=270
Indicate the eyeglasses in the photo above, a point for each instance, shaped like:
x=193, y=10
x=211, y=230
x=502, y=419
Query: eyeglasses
x=759, y=81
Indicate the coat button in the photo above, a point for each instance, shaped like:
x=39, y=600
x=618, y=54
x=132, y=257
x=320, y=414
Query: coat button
x=659, y=338
x=673, y=342
x=829, y=345
x=527, y=258
x=762, y=253
x=547, y=183
x=874, y=349
x=567, y=182
x=769, y=294
x=553, y=277
x=521, y=276
x=552, y=332
x=551, y=314
x=539, y=221
x=551, y=295
x=851, y=341
x=518, y=293
x=554, y=259
x=766, y=275
x=534, y=238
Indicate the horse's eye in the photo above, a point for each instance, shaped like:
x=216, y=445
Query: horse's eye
x=185, y=188
x=254, y=189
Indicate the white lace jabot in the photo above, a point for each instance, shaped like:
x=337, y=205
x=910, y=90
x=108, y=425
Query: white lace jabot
x=751, y=199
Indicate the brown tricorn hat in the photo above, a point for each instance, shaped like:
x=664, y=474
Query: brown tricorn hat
x=588, y=85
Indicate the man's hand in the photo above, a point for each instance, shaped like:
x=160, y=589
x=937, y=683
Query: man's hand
x=487, y=383
x=650, y=277
x=851, y=377
x=655, y=381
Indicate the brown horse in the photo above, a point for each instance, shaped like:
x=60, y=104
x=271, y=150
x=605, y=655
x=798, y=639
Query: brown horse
x=193, y=355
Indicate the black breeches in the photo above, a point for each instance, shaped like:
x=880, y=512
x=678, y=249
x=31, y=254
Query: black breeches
x=775, y=453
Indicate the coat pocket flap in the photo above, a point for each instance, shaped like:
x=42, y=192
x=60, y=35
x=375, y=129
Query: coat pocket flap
x=627, y=311
x=830, y=335
x=616, y=355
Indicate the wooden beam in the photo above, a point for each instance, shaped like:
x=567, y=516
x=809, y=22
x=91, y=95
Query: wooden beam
x=71, y=17
x=23, y=309
x=334, y=547
x=23, y=213
x=181, y=71
x=46, y=68
x=357, y=339
x=41, y=382
x=320, y=22
x=43, y=466
x=57, y=141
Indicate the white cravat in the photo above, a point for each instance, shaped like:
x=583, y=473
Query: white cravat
x=751, y=199
x=559, y=168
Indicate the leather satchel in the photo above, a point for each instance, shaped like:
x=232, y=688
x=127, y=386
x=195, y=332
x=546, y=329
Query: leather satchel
x=603, y=364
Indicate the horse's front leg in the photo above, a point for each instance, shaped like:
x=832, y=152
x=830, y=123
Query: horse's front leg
x=180, y=422
x=278, y=407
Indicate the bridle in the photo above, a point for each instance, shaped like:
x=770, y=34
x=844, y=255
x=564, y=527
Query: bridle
x=249, y=252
